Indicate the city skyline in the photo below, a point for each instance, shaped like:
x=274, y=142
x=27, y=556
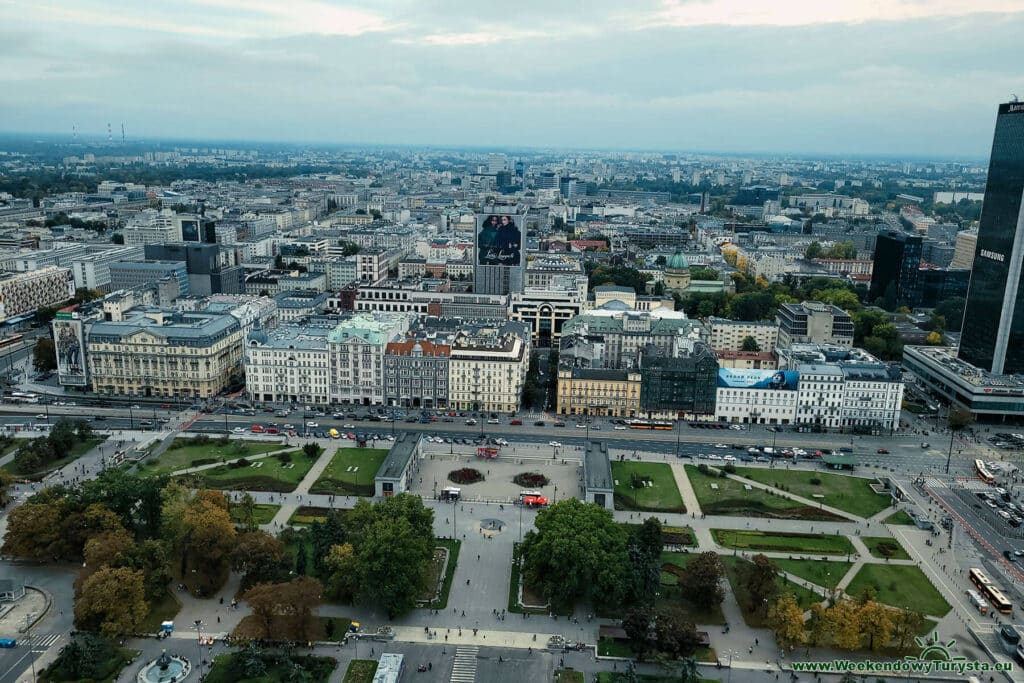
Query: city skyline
x=719, y=77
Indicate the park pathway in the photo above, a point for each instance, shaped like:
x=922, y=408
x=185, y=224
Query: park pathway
x=792, y=496
x=685, y=488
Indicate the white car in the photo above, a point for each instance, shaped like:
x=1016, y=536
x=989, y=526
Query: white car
x=493, y=421
x=736, y=428
x=621, y=428
x=238, y=430
x=42, y=416
x=730, y=458
x=720, y=445
x=556, y=444
x=289, y=426
x=714, y=456
x=580, y=425
x=799, y=451
x=348, y=426
x=312, y=424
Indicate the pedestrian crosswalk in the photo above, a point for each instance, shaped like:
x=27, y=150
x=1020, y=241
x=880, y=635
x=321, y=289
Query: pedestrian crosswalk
x=43, y=641
x=464, y=668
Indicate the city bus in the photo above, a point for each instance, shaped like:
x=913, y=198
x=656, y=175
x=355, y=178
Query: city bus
x=11, y=340
x=977, y=601
x=22, y=397
x=989, y=590
x=649, y=424
x=983, y=473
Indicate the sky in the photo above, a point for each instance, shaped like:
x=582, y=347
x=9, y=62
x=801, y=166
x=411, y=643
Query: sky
x=837, y=77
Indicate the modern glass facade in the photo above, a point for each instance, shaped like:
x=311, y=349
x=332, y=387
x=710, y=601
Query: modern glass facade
x=897, y=261
x=993, y=330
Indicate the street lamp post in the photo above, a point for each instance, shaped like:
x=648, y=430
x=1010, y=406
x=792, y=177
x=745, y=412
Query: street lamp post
x=199, y=646
x=679, y=433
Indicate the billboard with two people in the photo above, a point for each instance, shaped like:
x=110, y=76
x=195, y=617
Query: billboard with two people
x=758, y=379
x=499, y=240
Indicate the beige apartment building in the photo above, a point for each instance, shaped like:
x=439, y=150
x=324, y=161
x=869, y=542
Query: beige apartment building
x=25, y=293
x=487, y=371
x=728, y=335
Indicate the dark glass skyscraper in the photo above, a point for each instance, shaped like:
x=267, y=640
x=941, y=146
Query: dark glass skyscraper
x=895, y=270
x=993, y=330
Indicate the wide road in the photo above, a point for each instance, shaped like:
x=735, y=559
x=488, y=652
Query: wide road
x=905, y=454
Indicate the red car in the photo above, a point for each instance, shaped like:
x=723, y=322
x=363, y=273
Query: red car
x=257, y=429
x=516, y=422
x=882, y=451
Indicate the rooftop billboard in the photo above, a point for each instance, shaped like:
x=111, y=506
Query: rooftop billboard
x=758, y=379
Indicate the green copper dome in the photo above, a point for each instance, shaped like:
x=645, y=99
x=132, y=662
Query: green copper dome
x=678, y=261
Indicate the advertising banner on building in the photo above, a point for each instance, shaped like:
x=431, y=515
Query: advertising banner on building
x=499, y=240
x=758, y=379
x=68, y=338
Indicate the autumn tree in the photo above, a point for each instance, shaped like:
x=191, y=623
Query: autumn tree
x=260, y=556
x=209, y=538
x=6, y=481
x=246, y=510
x=149, y=557
x=44, y=355
x=786, y=620
x=284, y=611
x=844, y=625
x=340, y=568
x=905, y=626
x=820, y=631
x=760, y=579
x=876, y=622
x=34, y=531
x=112, y=601
x=702, y=581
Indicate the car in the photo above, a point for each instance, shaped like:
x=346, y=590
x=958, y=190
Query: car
x=135, y=407
x=289, y=426
x=538, y=423
x=925, y=444
x=42, y=416
x=580, y=425
x=736, y=428
x=238, y=430
x=596, y=427
x=701, y=456
x=729, y=458
x=491, y=421
x=882, y=451
x=272, y=430
x=257, y=429
x=470, y=421
x=312, y=424
x=557, y=423
x=714, y=456
x=761, y=458
x=556, y=444
x=514, y=423
x=720, y=445
x=620, y=428
x=282, y=413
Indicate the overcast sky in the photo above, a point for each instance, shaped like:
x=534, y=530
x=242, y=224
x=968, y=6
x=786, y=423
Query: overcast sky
x=899, y=77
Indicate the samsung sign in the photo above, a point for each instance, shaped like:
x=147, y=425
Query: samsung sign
x=994, y=255
x=758, y=379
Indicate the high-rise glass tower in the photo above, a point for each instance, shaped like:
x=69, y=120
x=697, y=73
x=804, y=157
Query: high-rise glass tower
x=993, y=330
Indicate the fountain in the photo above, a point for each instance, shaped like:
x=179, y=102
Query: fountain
x=165, y=669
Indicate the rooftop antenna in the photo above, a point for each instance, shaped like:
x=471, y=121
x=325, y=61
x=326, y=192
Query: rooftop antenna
x=110, y=136
x=1013, y=97
x=74, y=132
x=122, y=133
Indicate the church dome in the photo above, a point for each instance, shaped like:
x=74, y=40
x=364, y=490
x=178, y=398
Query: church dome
x=678, y=261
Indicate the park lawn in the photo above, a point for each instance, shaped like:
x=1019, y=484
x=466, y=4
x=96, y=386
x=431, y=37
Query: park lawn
x=824, y=574
x=78, y=450
x=805, y=598
x=670, y=535
x=263, y=513
x=360, y=671
x=878, y=545
x=165, y=609
x=230, y=668
x=453, y=546
x=662, y=495
x=782, y=542
x=186, y=452
x=114, y=659
x=844, y=492
x=672, y=565
x=900, y=517
x=305, y=515
x=900, y=585
x=569, y=676
x=337, y=478
x=733, y=500
x=264, y=474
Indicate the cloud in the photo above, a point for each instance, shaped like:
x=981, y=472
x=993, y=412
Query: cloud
x=807, y=12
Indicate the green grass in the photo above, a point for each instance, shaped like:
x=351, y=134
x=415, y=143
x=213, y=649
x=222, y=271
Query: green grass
x=111, y=661
x=843, y=492
x=164, y=609
x=336, y=479
x=878, y=544
x=825, y=574
x=263, y=513
x=670, y=535
x=812, y=544
x=272, y=475
x=305, y=515
x=186, y=452
x=513, y=592
x=903, y=586
x=662, y=496
x=732, y=499
x=900, y=517
x=229, y=668
x=734, y=566
x=453, y=546
x=360, y=671
x=79, y=449
x=568, y=676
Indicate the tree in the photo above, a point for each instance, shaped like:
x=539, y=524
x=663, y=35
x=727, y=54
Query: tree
x=752, y=306
x=311, y=450
x=149, y=557
x=844, y=625
x=952, y=310
x=639, y=627
x=876, y=622
x=285, y=610
x=905, y=627
x=340, y=572
x=959, y=419
x=85, y=295
x=117, y=238
x=112, y=601
x=813, y=250
x=820, y=626
x=702, y=581
x=106, y=548
x=749, y=344
x=786, y=620
x=348, y=248
x=933, y=339
x=760, y=580
x=246, y=511
x=209, y=538
x=34, y=531
x=44, y=355
x=6, y=480
x=577, y=551
x=674, y=633
x=260, y=556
